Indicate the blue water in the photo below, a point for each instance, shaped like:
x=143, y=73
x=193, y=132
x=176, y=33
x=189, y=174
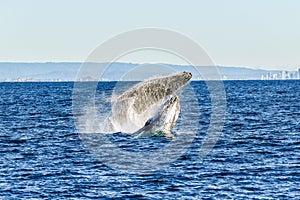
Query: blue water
x=257, y=155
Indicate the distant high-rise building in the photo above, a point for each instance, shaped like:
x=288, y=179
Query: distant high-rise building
x=274, y=76
x=295, y=75
x=283, y=75
x=288, y=75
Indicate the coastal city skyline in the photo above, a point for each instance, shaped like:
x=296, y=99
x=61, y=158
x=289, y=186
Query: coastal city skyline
x=283, y=75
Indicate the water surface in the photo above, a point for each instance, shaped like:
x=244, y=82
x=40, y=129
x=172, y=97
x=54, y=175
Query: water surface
x=257, y=155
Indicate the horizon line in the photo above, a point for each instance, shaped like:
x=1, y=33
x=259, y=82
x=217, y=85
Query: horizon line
x=135, y=63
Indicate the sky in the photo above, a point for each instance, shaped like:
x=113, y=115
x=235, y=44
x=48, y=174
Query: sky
x=260, y=34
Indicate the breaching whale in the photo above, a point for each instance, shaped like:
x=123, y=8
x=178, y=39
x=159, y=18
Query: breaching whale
x=146, y=101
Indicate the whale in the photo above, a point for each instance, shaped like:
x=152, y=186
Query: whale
x=162, y=123
x=147, y=100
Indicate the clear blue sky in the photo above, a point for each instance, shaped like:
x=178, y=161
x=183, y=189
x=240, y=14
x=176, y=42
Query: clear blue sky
x=252, y=33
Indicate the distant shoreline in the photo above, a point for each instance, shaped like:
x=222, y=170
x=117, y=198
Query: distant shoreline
x=68, y=72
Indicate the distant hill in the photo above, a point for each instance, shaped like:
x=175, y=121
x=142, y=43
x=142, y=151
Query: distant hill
x=67, y=71
x=38, y=71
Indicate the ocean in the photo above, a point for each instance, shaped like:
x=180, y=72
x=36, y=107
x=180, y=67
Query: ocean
x=257, y=156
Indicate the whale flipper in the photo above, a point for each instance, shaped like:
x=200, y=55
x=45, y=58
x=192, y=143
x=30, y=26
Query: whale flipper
x=162, y=123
